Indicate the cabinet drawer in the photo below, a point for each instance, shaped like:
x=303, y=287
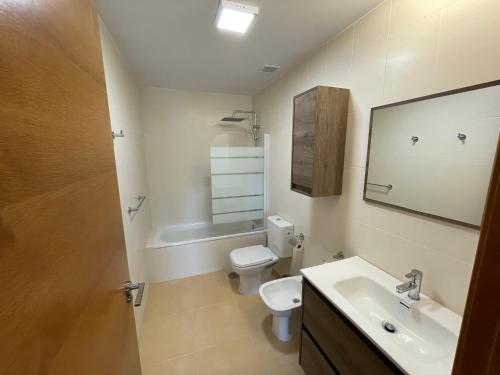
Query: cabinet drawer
x=344, y=345
x=311, y=359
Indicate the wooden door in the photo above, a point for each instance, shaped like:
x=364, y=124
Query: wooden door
x=62, y=250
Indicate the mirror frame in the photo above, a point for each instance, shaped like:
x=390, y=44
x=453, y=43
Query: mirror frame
x=422, y=98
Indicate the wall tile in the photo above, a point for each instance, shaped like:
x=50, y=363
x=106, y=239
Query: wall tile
x=368, y=59
x=316, y=67
x=468, y=52
x=358, y=127
x=407, y=14
x=338, y=61
x=411, y=62
x=181, y=126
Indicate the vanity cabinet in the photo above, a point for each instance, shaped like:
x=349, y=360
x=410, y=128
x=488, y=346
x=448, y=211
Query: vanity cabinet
x=319, y=133
x=331, y=344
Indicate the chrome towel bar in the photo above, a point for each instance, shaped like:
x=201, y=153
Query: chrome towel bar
x=140, y=198
x=386, y=186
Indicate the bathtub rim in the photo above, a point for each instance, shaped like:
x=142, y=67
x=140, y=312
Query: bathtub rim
x=155, y=242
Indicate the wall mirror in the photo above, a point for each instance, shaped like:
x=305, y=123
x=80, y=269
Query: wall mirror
x=433, y=155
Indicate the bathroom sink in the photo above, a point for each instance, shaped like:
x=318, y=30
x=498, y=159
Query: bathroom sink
x=420, y=337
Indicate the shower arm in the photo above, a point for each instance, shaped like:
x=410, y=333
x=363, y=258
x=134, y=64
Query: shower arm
x=249, y=113
x=255, y=127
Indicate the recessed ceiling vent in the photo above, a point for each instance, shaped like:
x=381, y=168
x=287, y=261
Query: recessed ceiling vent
x=270, y=68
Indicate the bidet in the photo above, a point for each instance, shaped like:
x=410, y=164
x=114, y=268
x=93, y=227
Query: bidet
x=283, y=298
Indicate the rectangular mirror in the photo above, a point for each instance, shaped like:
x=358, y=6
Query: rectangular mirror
x=433, y=155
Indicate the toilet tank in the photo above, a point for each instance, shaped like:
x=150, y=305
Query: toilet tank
x=279, y=232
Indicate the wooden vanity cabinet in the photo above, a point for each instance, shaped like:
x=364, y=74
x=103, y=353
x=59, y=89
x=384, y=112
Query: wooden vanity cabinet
x=332, y=345
x=319, y=133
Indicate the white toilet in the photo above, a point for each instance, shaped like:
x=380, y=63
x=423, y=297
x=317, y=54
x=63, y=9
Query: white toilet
x=253, y=263
x=283, y=298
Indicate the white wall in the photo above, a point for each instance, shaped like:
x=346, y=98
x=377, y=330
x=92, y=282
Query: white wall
x=180, y=127
x=400, y=50
x=123, y=99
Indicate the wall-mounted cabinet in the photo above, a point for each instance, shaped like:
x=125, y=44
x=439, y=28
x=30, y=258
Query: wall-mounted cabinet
x=319, y=133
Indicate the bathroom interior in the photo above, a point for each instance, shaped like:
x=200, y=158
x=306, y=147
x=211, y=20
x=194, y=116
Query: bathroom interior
x=250, y=187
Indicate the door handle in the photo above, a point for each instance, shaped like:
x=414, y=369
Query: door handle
x=128, y=287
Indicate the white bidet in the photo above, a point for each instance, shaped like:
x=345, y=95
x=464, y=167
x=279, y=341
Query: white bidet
x=283, y=298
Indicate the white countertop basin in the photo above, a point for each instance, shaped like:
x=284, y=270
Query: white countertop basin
x=426, y=334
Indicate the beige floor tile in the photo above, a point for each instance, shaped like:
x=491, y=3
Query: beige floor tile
x=220, y=323
x=185, y=365
x=278, y=357
x=166, y=338
x=234, y=357
x=253, y=311
x=202, y=325
x=187, y=294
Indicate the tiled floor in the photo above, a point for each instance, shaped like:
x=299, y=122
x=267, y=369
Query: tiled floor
x=202, y=326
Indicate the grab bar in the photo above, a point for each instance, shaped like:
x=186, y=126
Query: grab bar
x=140, y=198
x=386, y=186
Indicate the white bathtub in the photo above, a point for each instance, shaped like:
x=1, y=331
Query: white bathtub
x=179, y=251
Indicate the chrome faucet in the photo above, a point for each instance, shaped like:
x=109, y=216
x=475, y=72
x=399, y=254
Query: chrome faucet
x=413, y=286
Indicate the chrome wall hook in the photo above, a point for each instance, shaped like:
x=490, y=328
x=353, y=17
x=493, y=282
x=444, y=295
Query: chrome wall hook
x=117, y=134
x=462, y=136
x=414, y=139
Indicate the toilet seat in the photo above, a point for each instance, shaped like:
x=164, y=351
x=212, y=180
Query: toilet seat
x=251, y=256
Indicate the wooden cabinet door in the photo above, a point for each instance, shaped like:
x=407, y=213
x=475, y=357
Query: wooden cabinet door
x=62, y=250
x=304, y=123
x=341, y=342
x=311, y=359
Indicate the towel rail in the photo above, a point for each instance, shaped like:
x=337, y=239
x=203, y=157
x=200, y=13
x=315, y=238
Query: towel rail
x=389, y=187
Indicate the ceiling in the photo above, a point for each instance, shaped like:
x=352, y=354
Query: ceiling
x=175, y=43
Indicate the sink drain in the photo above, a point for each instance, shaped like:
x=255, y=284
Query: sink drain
x=389, y=327
x=296, y=300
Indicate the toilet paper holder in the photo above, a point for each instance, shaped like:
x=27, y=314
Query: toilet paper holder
x=297, y=239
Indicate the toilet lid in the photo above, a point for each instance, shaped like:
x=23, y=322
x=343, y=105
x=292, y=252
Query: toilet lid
x=251, y=256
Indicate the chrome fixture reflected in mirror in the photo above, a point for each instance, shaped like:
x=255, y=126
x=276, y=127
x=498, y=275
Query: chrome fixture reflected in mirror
x=442, y=178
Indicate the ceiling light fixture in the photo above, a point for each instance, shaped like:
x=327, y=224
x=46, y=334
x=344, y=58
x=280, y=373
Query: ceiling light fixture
x=235, y=16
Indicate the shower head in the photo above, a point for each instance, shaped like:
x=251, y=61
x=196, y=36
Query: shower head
x=233, y=119
x=253, y=128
